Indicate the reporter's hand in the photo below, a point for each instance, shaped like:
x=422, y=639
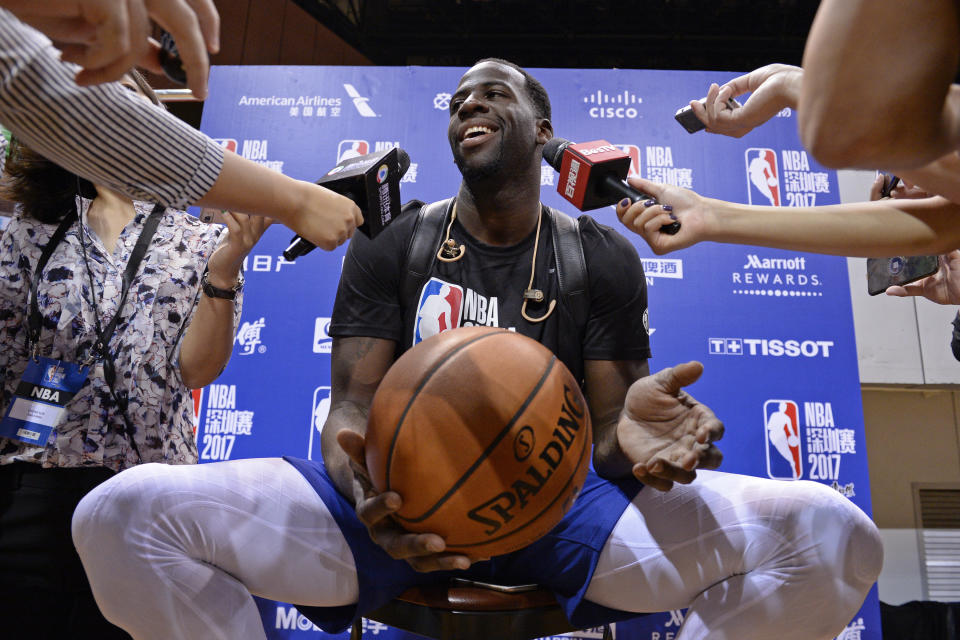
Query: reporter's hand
x=664, y=432
x=243, y=233
x=422, y=551
x=692, y=210
x=943, y=287
x=109, y=37
x=774, y=88
x=904, y=190
x=325, y=218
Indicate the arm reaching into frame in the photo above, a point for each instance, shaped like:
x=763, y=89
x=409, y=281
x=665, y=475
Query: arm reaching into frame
x=772, y=88
x=109, y=37
x=876, y=86
x=868, y=229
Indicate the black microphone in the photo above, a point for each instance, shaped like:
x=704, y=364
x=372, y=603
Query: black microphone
x=592, y=175
x=372, y=181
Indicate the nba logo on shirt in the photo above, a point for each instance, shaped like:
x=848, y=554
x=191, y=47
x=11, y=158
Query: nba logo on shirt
x=438, y=309
x=634, y=152
x=318, y=416
x=763, y=177
x=351, y=149
x=782, y=432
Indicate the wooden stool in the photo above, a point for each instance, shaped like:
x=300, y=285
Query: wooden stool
x=460, y=610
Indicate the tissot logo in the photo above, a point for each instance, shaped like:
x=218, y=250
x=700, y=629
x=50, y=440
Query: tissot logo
x=772, y=347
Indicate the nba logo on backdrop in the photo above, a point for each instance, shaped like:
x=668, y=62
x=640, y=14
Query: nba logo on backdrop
x=633, y=151
x=322, y=342
x=438, y=309
x=318, y=416
x=781, y=420
x=227, y=143
x=763, y=177
x=351, y=149
x=197, y=404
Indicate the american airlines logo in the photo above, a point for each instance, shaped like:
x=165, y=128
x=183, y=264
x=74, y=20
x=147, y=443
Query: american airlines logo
x=359, y=102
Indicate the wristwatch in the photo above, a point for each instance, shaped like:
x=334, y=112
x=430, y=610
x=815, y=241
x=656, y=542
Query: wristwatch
x=216, y=292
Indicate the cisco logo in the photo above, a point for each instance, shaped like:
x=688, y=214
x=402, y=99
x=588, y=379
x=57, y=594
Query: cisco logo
x=608, y=105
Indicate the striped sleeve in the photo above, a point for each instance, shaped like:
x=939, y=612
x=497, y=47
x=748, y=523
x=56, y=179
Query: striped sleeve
x=103, y=133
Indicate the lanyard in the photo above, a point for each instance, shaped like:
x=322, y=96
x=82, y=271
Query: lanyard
x=104, y=335
x=101, y=347
x=35, y=320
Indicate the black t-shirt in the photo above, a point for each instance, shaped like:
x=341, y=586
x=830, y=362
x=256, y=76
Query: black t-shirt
x=485, y=287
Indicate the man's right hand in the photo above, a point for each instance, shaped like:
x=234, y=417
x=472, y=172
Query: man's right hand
x=774, y=88
x=423, y=551
x=109, y=37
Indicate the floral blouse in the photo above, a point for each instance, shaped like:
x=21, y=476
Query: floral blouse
x=159, y=306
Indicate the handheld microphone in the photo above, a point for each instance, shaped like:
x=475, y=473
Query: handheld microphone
x=372, y=181
x=592, y=175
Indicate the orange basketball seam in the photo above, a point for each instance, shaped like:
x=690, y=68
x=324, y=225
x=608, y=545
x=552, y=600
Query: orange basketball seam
x=533, y=520
x=413, y=397
x=486, y=452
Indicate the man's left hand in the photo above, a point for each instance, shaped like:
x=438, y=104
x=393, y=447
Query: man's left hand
x=664, y=432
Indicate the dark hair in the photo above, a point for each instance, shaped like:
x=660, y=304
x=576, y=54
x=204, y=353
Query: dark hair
x=535, y=91
x=44, y=189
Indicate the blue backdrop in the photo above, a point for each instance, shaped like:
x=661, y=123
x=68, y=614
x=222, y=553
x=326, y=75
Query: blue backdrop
x=773, y=328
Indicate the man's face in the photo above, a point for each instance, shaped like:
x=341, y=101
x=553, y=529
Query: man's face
x=493, y=125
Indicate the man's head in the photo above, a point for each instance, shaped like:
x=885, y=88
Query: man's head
x=499, y=120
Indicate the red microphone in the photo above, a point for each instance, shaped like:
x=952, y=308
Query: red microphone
x=592, y=174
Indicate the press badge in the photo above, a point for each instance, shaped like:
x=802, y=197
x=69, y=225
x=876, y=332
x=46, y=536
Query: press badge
x=41, y=398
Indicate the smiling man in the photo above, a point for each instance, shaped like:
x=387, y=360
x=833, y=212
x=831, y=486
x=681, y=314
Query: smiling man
x=177, y=551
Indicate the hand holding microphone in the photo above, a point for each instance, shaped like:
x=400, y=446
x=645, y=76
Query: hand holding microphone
x=372, y=181
x=592, y=174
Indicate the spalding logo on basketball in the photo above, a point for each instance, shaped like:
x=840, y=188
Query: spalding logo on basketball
x=485, y=435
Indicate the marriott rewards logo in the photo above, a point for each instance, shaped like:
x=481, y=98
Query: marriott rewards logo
x=777, y=277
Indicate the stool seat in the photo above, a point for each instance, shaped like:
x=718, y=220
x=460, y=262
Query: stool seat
x=458, y=611
x=455, y=596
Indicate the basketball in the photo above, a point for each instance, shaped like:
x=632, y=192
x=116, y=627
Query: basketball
x=485, y=435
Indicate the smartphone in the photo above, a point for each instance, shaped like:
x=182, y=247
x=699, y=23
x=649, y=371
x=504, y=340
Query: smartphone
x=689, y=120
x=212, y=215
x=898, y=270
x=170, y=59
x=889, y=184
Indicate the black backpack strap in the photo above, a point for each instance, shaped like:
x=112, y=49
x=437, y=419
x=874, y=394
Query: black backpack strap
x=424, y=243
x=571, y=266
